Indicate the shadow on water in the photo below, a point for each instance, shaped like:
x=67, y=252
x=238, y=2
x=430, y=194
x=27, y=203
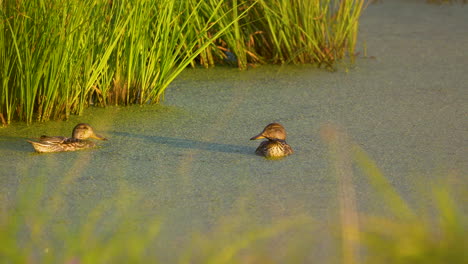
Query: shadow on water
x=192, y=144
x=18, y=144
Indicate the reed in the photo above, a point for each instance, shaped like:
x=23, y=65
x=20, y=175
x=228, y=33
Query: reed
x=61, y=56
x=58, y=57
x=302, y=31
x=55, y=52
x=230, y=47
x=279, y=32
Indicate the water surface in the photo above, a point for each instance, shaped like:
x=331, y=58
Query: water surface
x=189, y=161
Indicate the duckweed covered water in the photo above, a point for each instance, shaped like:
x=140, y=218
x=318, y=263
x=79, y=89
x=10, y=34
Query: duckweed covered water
x=189, y=162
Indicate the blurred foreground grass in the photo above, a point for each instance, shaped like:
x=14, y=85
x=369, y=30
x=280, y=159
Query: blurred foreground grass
x=34, y=228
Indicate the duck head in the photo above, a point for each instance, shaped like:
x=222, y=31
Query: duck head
x=84, y=131
x=273, y=131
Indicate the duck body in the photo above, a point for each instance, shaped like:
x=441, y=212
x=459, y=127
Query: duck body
x=78, y=141
x=274, y=149
x=60, y=144
x=275, y=146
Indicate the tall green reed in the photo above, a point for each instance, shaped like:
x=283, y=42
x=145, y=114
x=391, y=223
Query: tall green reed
x=233, y=43
x=174, y=48
x=52, y=57
x=59, y=57
x=298, y=31
x=302, y=31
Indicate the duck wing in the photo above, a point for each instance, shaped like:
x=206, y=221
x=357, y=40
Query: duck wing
x=52, y=140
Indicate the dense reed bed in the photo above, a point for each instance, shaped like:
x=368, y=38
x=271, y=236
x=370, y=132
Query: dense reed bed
x=59, y=57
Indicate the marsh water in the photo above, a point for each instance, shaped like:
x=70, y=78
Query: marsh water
x=189, y=161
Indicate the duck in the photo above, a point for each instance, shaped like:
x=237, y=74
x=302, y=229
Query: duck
x=275, y=146
x=78, y=141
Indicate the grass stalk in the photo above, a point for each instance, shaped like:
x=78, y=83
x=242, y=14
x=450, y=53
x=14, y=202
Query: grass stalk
x=58, y=57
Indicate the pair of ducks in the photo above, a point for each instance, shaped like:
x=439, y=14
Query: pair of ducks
x=274, y=147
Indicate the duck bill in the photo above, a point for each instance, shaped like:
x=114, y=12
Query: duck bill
x=96, y=136
x=259, y=136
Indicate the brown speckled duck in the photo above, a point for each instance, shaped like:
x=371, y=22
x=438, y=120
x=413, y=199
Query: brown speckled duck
x=78, y=141
x=275, y=146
